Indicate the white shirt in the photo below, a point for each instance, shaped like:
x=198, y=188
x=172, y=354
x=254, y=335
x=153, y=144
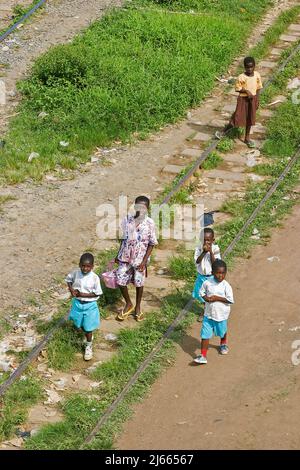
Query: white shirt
x=217, y=311
x=86, y=283
x=204, y=267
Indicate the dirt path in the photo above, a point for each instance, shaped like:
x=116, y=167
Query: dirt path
x=48, y=225
x=250, y=398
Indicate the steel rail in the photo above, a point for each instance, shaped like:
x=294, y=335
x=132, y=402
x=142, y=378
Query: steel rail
x=21, y=20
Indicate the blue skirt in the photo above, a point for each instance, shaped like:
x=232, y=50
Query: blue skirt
x=85, y=315
x=198, y=284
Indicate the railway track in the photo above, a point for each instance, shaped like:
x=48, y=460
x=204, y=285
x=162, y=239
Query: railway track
x=199, y=161
x=8, y=10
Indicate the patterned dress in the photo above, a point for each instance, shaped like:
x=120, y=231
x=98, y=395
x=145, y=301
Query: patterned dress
x=136, y=239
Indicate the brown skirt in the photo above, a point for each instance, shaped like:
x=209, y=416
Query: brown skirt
x=245, y=113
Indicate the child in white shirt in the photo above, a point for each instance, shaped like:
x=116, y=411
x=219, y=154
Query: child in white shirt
x=218, y=297
x=204, y=257
x=84, y=286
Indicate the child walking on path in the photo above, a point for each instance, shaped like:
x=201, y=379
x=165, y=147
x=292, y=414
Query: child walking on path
x=248, y=85
x=204, y=258
x=218, y=297
x=138, y=241
x=84, y=286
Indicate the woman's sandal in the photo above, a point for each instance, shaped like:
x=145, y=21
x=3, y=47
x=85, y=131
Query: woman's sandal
x=250, y=144
x=139, y=317
x=122, y=316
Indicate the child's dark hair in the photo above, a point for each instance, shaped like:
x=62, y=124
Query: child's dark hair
x=219, y=263
x=248, y=61
x=143, y=199
x=209, y=230
x=86, y=258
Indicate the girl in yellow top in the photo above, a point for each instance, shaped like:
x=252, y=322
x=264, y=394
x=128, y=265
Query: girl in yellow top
x=248, y=85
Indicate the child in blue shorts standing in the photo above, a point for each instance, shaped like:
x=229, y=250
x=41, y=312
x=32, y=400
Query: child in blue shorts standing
x=204, y=257
x=218, y=296
x=84, y=286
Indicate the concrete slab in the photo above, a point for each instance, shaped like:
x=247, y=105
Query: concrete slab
x=209, y=203
x=277, y=101
x=225, y=175
x=161, y=283
x=190, y=152
x=102, y=355
x=266, y=113
x=221, y=217
x=114, y=326
x=83, y=383
x=268, y=64
x=173, y=169
x=162, y=256
x=221, y=186
x=229, y=108
x=219, y=123
x=288, y=38
x=295, y=27
x=201, y=137
x=234, y=158
x=258, y=129
x=276, y=51
x=42, y=414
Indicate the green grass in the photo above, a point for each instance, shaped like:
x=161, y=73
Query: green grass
x=127, y=75
x=212, y=161
x=182, y=267
x=16, y=402
x=61, y=349
x=4, y=199
x=4, y=327
x=244, y=11
x=225, y=145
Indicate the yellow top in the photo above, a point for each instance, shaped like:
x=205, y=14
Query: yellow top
x=251, y=84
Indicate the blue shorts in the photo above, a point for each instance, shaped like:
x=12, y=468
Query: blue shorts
x=85, y=315
x=211, y=327
x=198, y=284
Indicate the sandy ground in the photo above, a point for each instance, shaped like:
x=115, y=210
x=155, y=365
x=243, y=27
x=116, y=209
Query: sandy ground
x=250, y=398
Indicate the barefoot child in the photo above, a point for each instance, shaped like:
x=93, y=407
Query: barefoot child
x=248, y=85
x=84, y=286
x=218, y=297
x=204, y=258
x=137, y=244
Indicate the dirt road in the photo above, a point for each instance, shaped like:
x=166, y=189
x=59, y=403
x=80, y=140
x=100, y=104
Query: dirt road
x=250, y=398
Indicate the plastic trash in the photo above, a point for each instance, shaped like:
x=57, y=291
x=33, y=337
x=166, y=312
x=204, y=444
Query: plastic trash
x=110, y=337
x=32, y=156
x=273, y=258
